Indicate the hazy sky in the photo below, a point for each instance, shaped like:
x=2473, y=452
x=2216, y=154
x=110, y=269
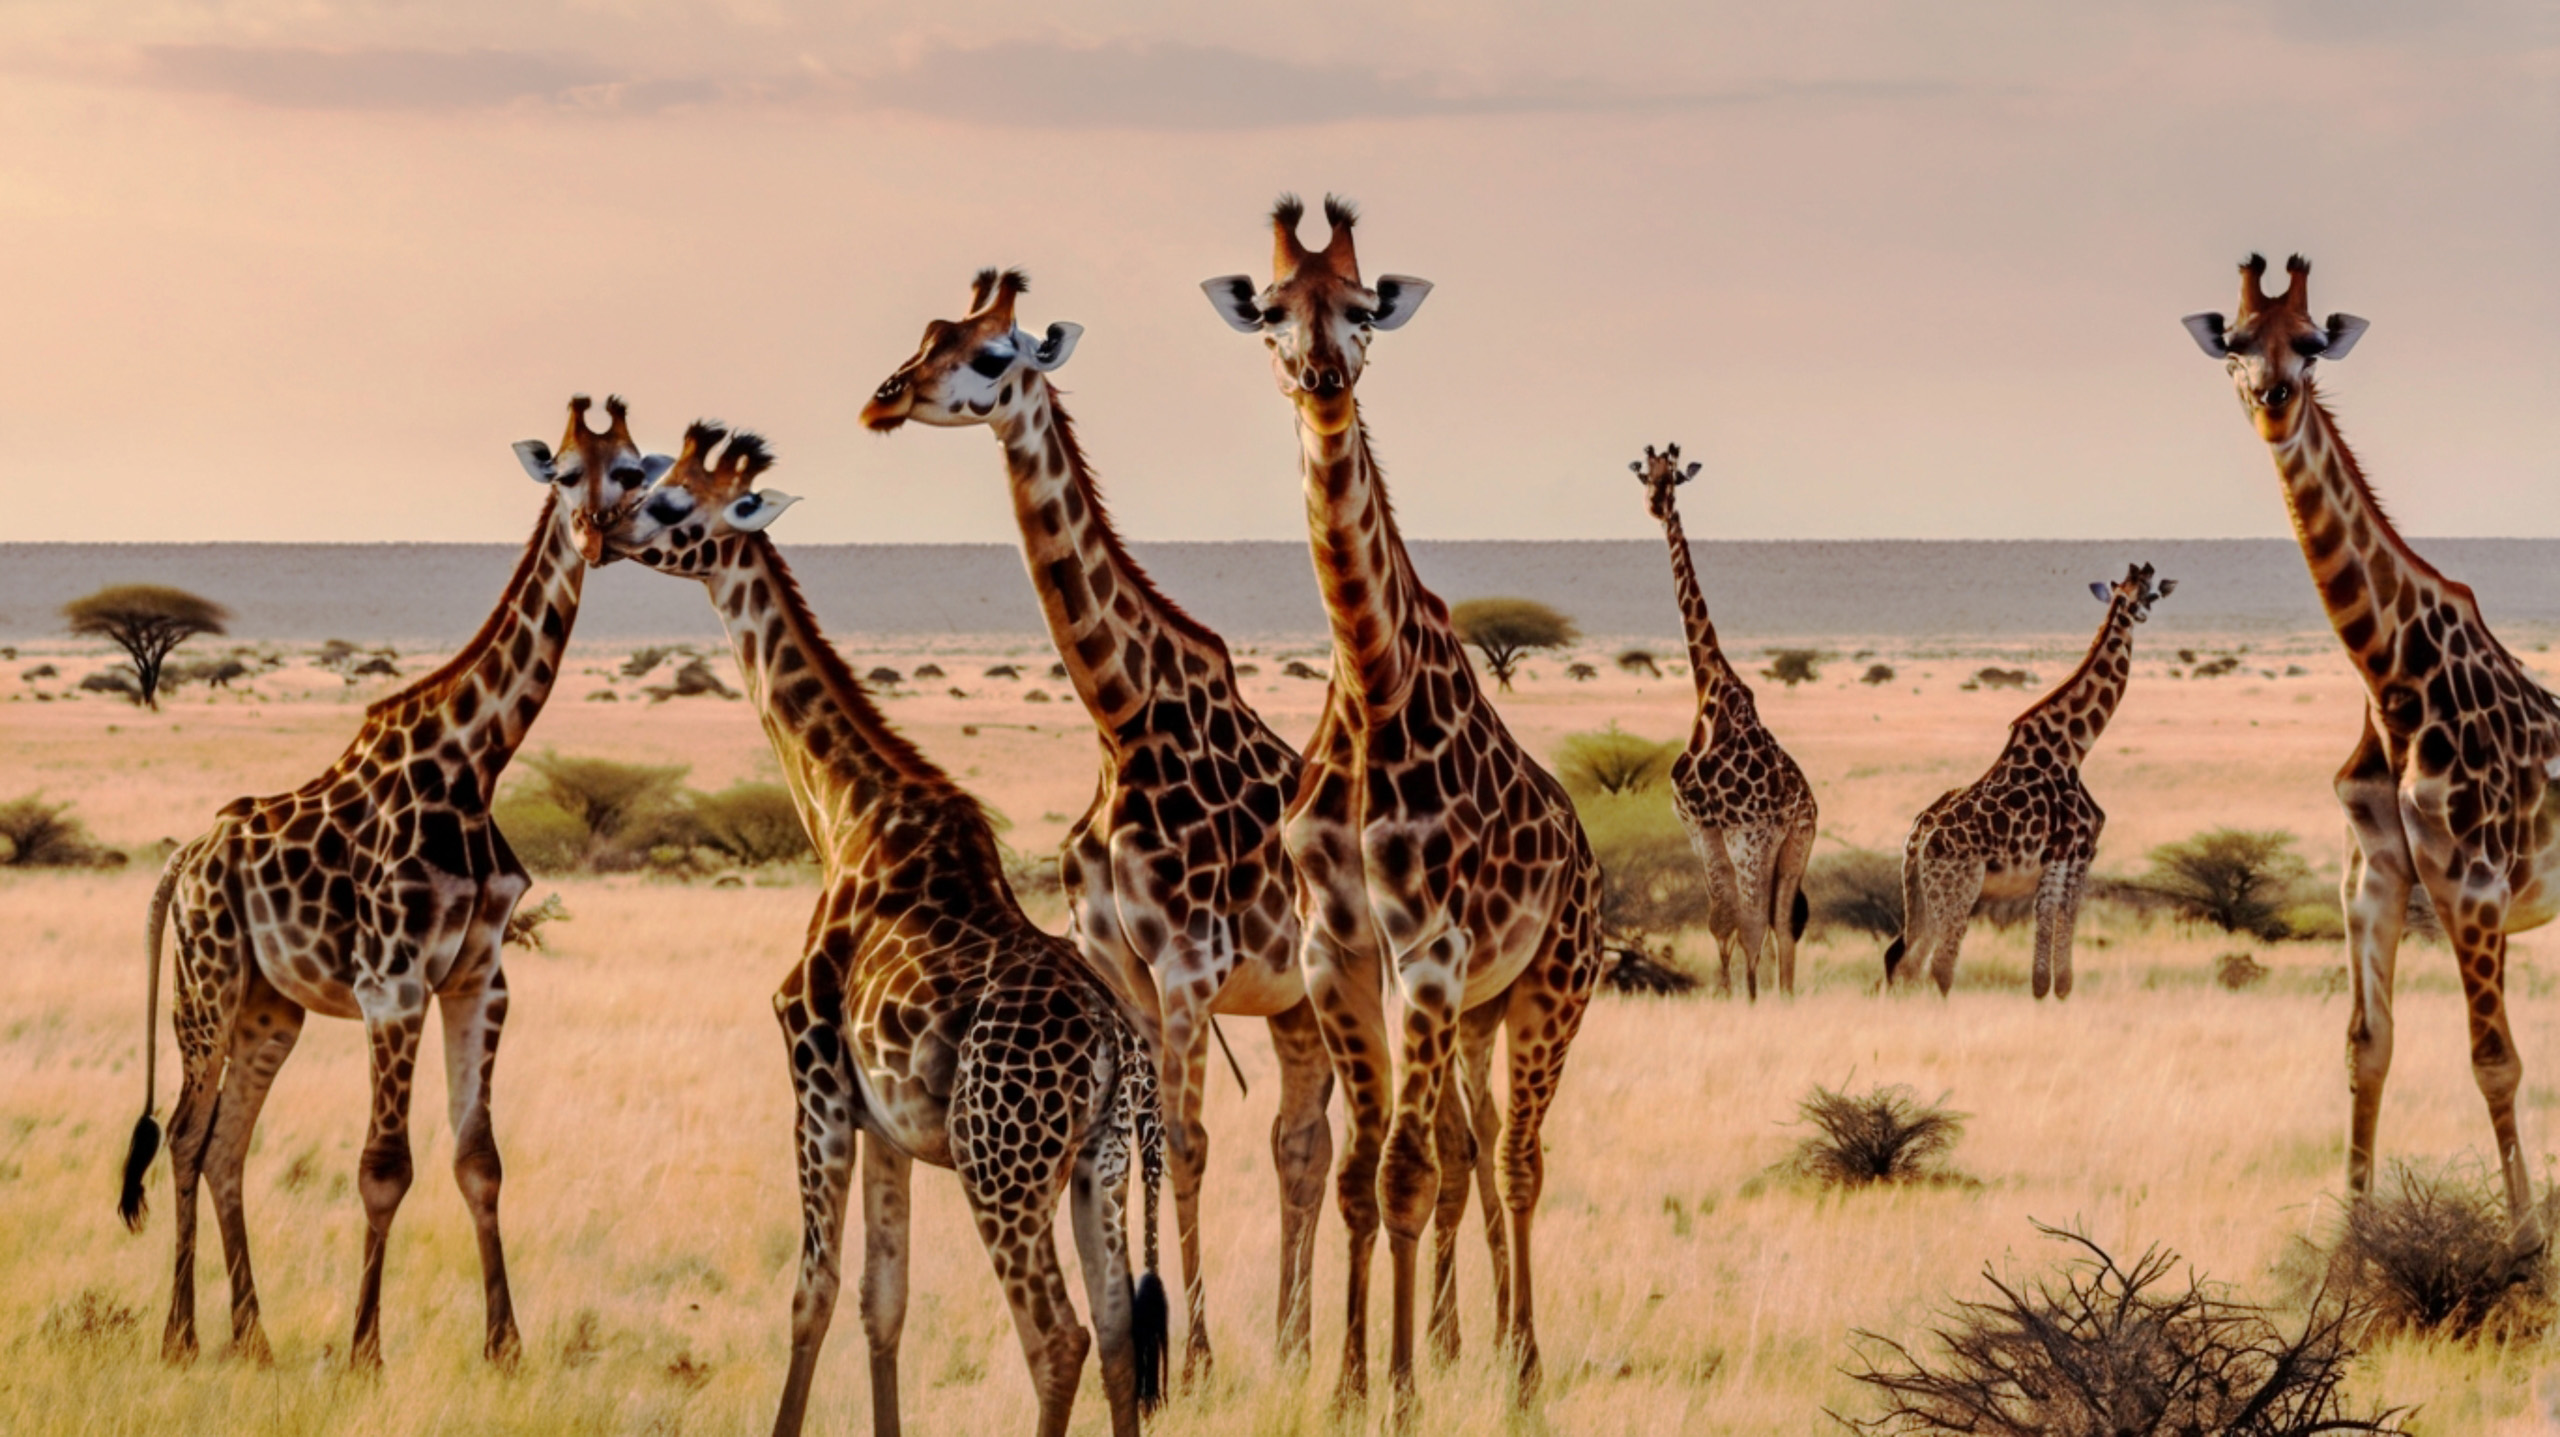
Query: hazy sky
x=303, y=269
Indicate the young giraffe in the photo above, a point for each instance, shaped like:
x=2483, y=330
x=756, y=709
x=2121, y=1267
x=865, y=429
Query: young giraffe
x=1430, y=849
x=2028, y=825
x=362, y=894
x=2451, y=785
x=1749, y=812
x=1177, y=882
x=928, y=1012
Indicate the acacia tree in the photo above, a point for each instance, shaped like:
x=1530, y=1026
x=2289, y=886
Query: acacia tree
x=1505, y=629
x=146, y=621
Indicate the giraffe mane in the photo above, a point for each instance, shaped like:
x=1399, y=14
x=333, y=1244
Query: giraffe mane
x=468, y=655
x=1179, y=617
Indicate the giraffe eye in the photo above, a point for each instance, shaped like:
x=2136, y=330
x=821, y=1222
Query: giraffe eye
x=1273, y=316
x=1359, y=316
x=990, y=363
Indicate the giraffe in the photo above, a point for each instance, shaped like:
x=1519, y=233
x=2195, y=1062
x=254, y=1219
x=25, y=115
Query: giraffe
x=1749, y=812
x=2028, y=825
x=1177, y=882
x=928, y=1013
x=2450, y=784
x=1431, y=850
x=375, y=887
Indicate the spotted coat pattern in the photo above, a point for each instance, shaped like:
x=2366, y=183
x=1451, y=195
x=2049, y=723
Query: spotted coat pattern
x=927, y=1012
x=2451, y=787
x=2028, y=825
x=362, y=894
x=1750, y=814
x=1177, y=882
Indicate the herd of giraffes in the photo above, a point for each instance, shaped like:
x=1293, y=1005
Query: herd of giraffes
x=1412, y=849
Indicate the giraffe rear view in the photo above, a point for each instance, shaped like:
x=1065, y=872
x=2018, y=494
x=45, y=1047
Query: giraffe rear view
x=376, y=886
x=1749, y=812
x=927, y=1014
x=2451, y=788
x=2028, y=826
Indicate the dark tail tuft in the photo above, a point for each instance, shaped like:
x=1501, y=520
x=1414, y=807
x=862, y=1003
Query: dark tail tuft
x=137, y=1165
x=1151, y=1335
x=1892, y=960
x=1802, y=914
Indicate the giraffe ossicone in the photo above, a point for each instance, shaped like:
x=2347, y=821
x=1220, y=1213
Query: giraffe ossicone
x=1179, y=888
x=2451, y=787
x=368, y=892
x=928, y=1018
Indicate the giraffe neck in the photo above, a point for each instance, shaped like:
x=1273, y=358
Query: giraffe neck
x=2077, y=710
x=489, y=693
x=856, y=781
x=1707, y=664
x=2369, y=581
x=1370, y=591
x=1121, y=638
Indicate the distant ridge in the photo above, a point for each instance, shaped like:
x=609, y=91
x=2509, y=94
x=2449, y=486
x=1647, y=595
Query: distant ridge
x=1903, y=589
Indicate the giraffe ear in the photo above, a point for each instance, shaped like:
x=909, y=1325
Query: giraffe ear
x=2100, y=590
x=1052, y=350
x=1233, y=296
x=535, y=456
x=2344, y=331
x=2207, y=329
x=2167, y=587
x=1399, y=295
x=654, y=467
x=752, y=513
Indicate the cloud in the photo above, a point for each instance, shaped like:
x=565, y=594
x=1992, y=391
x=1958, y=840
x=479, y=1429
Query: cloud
x=299, y=78
x=1203, y=87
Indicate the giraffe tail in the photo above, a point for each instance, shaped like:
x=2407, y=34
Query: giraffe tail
x=1914, y=905
x=131, y=1205
x=1150, y=1312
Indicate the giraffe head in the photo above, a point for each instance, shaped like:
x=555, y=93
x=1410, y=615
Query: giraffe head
x=1315, y=315
x=1661, y=474
x=968, y=368
x=681, y=523
x=2271, y=347
x=596, y=475
x=2135, y=591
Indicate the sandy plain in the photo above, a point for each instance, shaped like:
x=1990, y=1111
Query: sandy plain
x=642, y=1110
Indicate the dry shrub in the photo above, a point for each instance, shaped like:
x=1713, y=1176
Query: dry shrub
x=1794, y=666
x=1630, y=969
x=90, y=1318
x=2238, y=880
x=2105, y=1350
x=37, y=834
x=2431, y=1254
x=1649, y=878
x=754, y=823
x=2239, y=972
x=525, y=924
x=1859, y=889
x=1884, y=1135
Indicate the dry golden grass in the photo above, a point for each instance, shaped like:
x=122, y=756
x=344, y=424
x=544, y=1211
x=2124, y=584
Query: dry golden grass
x=643, y=1112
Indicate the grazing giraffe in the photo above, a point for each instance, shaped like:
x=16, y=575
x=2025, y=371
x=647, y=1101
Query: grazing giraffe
x=1749, y=812
x=2451, y=785
x=1431, y=851
x=373, y=888
x=928, y=1012
x=1177, y=882
x=2028, y=825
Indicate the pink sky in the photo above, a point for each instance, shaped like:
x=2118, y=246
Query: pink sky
x=303, y=270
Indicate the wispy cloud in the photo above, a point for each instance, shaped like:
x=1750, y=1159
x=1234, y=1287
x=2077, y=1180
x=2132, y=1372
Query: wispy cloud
x=293, y=77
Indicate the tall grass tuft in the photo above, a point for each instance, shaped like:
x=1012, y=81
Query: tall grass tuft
x=2431, y=1254
x=1884, y=1135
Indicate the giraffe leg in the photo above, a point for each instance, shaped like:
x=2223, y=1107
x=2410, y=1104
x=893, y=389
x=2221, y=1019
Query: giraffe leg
x=2474, y=918
x=394, y=1022
x=885, y=1180
x=1054, y=1345
x=262, y=1037
x=1185, y=1090
x=1754, y=854
x=1793, y=858
x=1345, y=988
x=1955, y=885
x=1541, y=1018
x=473, y=1020
x=2058, y=891
x=203, y=1004
x=1431, y=976
x=1097, y=1202
x=1301, y=1154
x=1477, y=1029
x=1724, y=902
x=2378, y=874
x=823, y=1104
x=1456, y=1140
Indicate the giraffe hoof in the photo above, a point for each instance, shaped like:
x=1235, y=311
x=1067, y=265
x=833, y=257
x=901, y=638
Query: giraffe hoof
x=251, y=1345
x=178, y=1349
